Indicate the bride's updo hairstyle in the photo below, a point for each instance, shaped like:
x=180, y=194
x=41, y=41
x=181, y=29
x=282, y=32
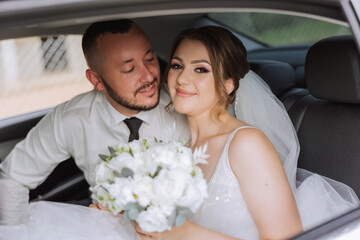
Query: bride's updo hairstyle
x=227, y=57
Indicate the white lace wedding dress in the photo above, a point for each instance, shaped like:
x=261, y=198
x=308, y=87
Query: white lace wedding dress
x=60, y=221
x=318, y=198
x=225, y=210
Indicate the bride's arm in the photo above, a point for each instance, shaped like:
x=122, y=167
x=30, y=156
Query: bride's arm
x=264, y=185
x=188, y=231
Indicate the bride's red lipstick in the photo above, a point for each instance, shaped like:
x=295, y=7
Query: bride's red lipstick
x=183, y=93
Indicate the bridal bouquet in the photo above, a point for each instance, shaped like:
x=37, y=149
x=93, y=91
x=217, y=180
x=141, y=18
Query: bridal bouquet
x=153, y=183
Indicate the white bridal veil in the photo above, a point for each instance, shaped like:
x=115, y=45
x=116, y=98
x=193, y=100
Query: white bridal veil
x=318, y=197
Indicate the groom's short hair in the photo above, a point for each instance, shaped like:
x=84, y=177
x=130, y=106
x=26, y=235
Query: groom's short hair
x=96, y=29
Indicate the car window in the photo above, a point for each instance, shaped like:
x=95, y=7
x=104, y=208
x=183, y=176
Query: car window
x=274, y=29
x=40, y=72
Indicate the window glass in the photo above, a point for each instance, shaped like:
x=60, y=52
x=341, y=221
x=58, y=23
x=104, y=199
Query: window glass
x=279, y=29
x=40, y=72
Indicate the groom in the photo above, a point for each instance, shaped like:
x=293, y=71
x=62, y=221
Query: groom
x=124, y=71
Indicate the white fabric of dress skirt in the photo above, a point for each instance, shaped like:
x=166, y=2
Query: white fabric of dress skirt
x=59, y=221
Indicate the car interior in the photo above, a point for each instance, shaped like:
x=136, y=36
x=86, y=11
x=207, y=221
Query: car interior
x=319, y=85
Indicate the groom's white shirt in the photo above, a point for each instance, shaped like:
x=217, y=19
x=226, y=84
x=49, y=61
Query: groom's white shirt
x=81, y=128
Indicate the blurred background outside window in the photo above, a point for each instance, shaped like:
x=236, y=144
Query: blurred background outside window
x=274, y=29
x=40, y=72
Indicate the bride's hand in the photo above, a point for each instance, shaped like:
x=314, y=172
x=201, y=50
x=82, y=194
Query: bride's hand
x=98, y=206
x=146, y=235
x=176, y=233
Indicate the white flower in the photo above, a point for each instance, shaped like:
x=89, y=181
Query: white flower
x=200, y=155
x=152, y=182
x=103, y=173
x=169, y=185
x=122, y=160
x=185, y=157
x=153, y=220
x=194, y=195
x=122, y=190
x=143, y=189
x=136, y=147
x=163, y=155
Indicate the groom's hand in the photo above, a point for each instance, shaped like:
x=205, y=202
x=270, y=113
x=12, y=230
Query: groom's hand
x=98, y=206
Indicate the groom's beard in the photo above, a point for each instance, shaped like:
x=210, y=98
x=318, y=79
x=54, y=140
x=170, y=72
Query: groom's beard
x=124, y=102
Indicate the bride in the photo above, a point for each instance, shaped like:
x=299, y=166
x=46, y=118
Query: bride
x=251, y=172
x=250, y=196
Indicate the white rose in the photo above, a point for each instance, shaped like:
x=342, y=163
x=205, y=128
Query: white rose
x=196, y=192
x=164, y=155
x=150, y=164
x=122, y=191
x=170, y=185
x=103, y=173
x=143, y=189
x=136, y=147
x=153, y=220
x=120, y=161
x=185, y=157
x=194, y=196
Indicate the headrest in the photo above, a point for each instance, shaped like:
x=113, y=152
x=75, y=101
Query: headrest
x=332, y=70
x=280, y=76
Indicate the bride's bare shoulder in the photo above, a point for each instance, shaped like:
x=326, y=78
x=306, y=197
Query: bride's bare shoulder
x=250, y=144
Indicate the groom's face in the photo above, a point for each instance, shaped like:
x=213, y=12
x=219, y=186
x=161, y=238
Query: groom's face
x=130, y=71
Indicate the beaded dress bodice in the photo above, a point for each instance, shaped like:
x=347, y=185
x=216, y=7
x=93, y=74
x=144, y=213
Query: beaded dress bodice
x=225, y=210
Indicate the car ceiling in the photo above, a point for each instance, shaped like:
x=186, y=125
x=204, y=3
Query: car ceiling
x=168, y=17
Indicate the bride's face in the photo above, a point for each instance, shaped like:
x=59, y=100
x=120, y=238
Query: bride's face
x=190, y=79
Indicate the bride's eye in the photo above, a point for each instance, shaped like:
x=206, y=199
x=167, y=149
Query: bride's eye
x=176, y=66
x=201, y=70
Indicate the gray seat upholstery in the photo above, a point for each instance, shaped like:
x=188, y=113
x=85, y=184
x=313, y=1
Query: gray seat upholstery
x=280, y=76
x=327, y=115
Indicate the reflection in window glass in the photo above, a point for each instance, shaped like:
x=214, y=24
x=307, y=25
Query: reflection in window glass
x=279, y=29
x=40, y=72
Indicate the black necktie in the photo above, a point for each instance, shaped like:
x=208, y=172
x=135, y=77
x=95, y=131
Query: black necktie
x=133, y=124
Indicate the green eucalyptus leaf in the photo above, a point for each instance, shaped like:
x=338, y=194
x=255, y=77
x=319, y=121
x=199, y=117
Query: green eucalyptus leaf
x=127, y=172
x=112, y=150
x=117, y=174
x=135, y=205
x=133, y=213
x=180, y=219
x=157, y=172
x=171, y=218
x=184, y=210
x=104, y=157
x=126, y=215
x=131, y=205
